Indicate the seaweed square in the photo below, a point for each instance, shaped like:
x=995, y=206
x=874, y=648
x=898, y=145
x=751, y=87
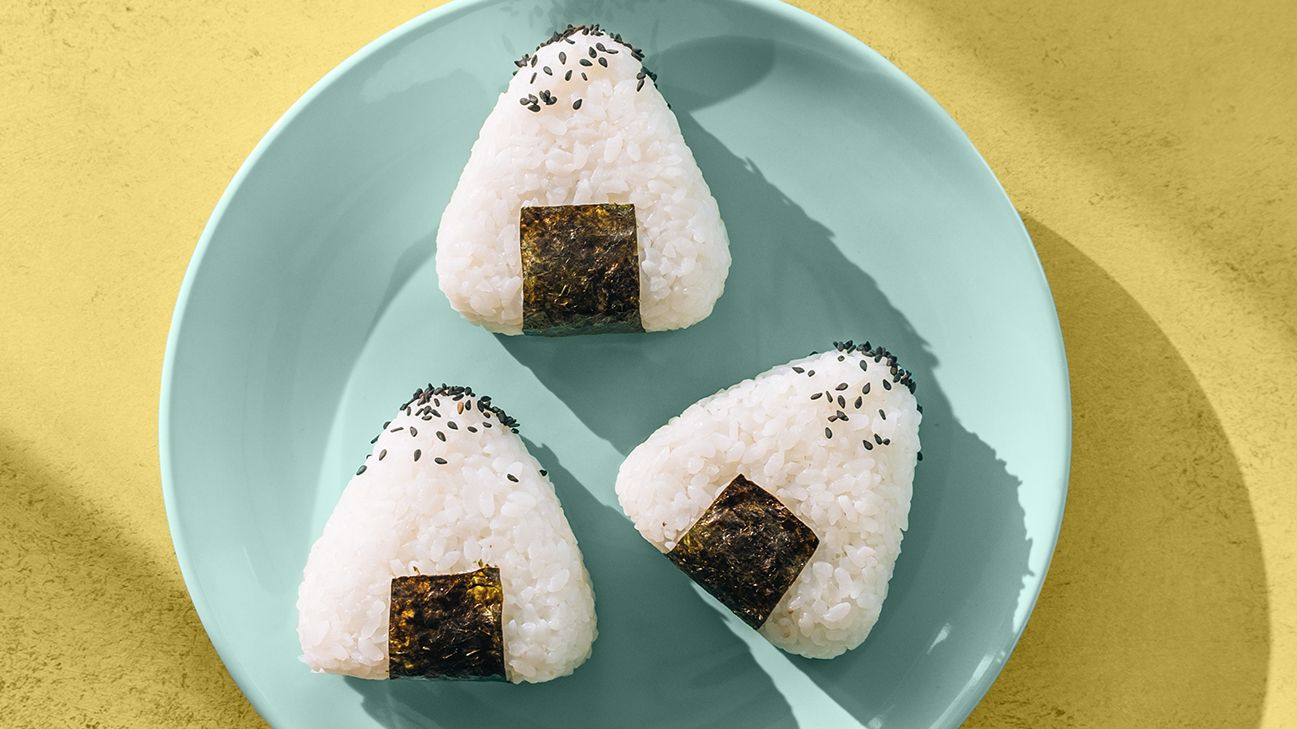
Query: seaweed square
x=447, y=626
x=580, y=269
x=746, y=550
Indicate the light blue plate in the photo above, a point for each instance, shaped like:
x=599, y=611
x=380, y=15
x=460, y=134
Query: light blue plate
x=856, y=210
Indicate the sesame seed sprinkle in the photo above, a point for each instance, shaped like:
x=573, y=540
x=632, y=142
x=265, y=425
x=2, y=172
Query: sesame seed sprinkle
x=439, y=461
x=512, y=477
x=417, y=453
x=828, y=433
x=382, y=454
x=360, y=470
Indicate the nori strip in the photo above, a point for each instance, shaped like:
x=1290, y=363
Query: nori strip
x=746, y=550
x=447, y=626
x=580, y=269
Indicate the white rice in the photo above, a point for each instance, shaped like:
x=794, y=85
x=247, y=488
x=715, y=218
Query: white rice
x=857, y=501
x=401, y=518
x=621, y=146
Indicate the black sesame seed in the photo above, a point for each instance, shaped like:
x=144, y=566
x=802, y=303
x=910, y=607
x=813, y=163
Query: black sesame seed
x=612, y=51
x=859, y=401
x=471, y=429
x=512, y=477
x=584, y=77
x=375, y=440
x=639, y=84
x=486, y=425
x=841, y=386
x=882, y=414
x=887, y=385
x=413, y=433
x=868, y=446
x=828, y=433
x=842, y=416
x=864, y=365
x=397, y=429
x=533, y=78
x=468, y=405
x=603, y=62
x=387, y=424
x=382, y=454
x=524, y=101
x=842, y=401
x=878, y=439
x=816, y=396
x=568, y=76
x=417, y=453
x=810, y=373
x=841, y=358
x=920, y=455
x=591, y=51
x=441, y=436
x=887, y=441
x=533, y=61
x=439, y=461
x=533, y=107
x=585, y=62
x=543, y=472
x=562, y=57
x=865, y=389
x=798, y=370
x=452, y=425
x=360, y=470
x=548, y=71
x=833, y=418
x=600, y=47
x=576, y=104
x=435, y=413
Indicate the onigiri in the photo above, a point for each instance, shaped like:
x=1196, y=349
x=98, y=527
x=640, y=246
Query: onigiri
x=786, y=495
x=581, y=209
x=447, y=556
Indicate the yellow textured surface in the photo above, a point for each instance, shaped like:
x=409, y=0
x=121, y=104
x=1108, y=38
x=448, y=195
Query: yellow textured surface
x=1151, y=147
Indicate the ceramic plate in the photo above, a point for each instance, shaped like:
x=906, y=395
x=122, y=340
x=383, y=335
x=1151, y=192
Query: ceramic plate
x=856, y=209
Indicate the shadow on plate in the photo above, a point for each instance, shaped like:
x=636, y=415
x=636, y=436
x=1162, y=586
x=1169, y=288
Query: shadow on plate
x=662, y=648
x=791, y=291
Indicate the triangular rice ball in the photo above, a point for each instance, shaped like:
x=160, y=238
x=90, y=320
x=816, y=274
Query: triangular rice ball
x=582, y=124
x=447, y=556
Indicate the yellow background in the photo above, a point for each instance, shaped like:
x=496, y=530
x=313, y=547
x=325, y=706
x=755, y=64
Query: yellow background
x=1150, y=146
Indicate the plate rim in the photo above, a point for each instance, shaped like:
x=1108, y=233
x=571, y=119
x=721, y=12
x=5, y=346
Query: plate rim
x=968, y=697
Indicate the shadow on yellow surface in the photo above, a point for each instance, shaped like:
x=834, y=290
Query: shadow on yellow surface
x=1155, y=609
x=80, y=609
